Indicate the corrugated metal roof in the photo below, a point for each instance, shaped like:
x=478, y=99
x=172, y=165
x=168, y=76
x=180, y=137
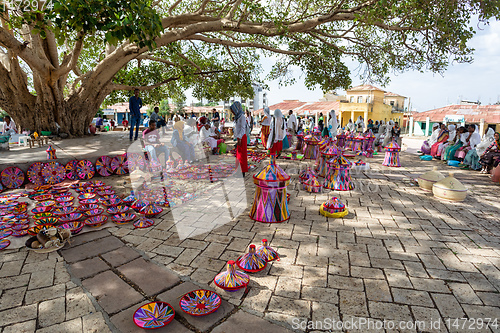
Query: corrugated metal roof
x=471, y=113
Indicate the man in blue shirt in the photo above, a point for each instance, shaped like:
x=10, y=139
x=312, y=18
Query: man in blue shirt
x=135, y=104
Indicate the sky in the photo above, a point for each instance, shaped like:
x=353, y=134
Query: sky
x=426, y=91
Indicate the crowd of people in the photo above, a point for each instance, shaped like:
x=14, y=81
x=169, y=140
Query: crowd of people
x=465, y=145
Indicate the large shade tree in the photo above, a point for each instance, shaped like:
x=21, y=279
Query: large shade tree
x=59, y=60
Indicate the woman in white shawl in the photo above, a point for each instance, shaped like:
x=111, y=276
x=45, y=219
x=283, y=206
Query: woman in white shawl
x=379, y=137
x=470, y=140
x=388, y=133
x=426, y=146
x=333, y=124
x=360, y=125
x=452, y=133
x=471, y=160
x=350, y=126
x=277, y=133
x=265, y=129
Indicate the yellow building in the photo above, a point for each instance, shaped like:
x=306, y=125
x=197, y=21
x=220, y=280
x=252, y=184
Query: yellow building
x=369, y=102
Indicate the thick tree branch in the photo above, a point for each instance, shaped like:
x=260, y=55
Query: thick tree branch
x=116, y=86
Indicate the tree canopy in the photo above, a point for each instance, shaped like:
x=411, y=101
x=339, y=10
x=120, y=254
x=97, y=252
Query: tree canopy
x=59, y=60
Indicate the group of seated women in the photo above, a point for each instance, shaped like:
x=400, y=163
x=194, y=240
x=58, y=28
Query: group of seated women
x=465, y=145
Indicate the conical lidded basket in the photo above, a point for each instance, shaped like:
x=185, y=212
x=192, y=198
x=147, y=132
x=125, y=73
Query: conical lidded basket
x=333, y=208
x=311, y=151
x=427, y=180
x=270, y=204
x=251, y=261
x=391, y=158
x=393, y=146
x=450, y=189
x=231, y=279
x=312, y=185
x=267, y=252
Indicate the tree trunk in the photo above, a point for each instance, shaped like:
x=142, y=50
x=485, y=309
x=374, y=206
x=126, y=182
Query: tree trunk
x=50, y=111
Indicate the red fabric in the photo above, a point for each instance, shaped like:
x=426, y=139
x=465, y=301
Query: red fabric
x=219, y=141
x=264, y=134
x=241, y=154
x=276, y=148
x=434, y=148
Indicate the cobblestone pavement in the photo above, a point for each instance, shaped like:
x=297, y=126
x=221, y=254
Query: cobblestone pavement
x=399, y=255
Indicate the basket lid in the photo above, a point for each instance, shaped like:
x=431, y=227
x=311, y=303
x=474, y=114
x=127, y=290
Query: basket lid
x=369, y=134
x=340, y=161
x=393, y=145
x=331, y=149
x=334, y=203
x=311, y=139
x=450, y=183
x=433, y=175
x=313, y=181
x=272, y=172
x=307, y=173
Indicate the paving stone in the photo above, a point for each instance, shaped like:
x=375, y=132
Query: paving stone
x=243, y=322
x=51, y=312
x=18, y=314
x=318, y=294
x=43, y=294
x=353, y=303
x=321, y=311
x=397, y=278
x=88, y=237
x=120, y=256
x=288, y=306
x=430, y=317
x=172, y=297
x=315, y=276
x=187, y=256
x=24, y=327
x=446, y=275
x=448, y=306
x=77, y=303
x=342, y=282
x=91, y=249
x=38, y=266
x=367, y=273
x=489, y=298
x=87, y=268
x=478, y=311
x=208, y=263
x=377, y=290
x=12, y=297
x=411, y=297
x=40, y=279
x=389, y=311
x=478, y=282
x=11, y=268
x=151, y=278
x=95, y=323
x=430, y=285
x=202, y=276
x=14, y=281
x=464, y=293
x=111, y=292
x=74, y=325
x=257, y=300
x=288, y=287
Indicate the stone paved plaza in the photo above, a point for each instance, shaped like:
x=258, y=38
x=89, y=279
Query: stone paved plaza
x=399, y=255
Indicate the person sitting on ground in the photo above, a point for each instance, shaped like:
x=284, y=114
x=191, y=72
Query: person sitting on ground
x=208, y=135
x=153, y=145
x=179, y=141
x=491, y=156
x=470, y=140
x=471, y=160
x=450, y=150
x=442, y=138
x=426, y=146
x=9, y=126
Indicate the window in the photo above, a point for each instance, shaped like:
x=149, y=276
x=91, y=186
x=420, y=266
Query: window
x=352, y=99
x=360, y=99
x=392, y=103
x=368, y=99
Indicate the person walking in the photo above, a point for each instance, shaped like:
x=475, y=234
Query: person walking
x=135, y=104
